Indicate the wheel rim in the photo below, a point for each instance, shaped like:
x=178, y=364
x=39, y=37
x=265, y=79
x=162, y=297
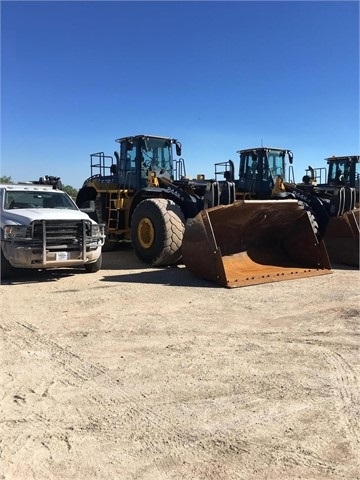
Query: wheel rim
x=145, y=233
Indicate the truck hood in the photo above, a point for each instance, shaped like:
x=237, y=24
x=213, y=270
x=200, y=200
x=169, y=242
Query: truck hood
x=28, y=215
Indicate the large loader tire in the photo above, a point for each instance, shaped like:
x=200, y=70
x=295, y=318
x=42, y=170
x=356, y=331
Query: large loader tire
x=314, y=223
x=86, y=194
x=312, y=218
x=157, y=228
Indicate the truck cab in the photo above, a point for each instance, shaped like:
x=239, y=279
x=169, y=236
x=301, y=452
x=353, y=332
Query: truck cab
x=41, y=228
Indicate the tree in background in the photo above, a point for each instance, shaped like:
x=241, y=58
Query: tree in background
x=5, y=179
x=70, y=190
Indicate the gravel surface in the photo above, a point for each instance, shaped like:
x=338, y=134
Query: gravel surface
x=142, y=373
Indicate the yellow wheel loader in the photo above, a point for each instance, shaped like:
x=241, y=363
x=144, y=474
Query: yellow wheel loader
x=341, y=181
x=143, y=195
x=332, y=205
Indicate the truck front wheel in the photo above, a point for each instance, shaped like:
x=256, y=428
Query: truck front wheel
x=95, y=266
x=157, y=228
x=6, y=269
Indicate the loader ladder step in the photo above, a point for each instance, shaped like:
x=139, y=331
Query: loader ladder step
x=115, y=207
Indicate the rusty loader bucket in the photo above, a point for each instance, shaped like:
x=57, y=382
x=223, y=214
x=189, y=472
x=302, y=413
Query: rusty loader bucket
x=253, y=242
x=342, y=238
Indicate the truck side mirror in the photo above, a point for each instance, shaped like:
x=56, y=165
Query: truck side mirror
x=88, y=207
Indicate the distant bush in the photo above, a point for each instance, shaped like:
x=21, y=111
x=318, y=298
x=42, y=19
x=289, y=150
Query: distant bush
x=5, y=179
x=70, y=190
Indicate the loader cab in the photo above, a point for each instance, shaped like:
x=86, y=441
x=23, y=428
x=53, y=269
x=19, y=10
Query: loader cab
x=344, y=171
x=259, y=168
x=144, y=153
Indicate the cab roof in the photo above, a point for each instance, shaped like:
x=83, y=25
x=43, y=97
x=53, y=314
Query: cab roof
x=130, y=137
x=264, y=148
x=355, y=158
x=23, y=187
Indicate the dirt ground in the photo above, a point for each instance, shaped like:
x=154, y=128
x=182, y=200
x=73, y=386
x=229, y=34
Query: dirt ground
x=139, y=373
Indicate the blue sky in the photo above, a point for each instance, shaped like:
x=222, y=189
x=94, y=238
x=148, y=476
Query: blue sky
x=218, y=76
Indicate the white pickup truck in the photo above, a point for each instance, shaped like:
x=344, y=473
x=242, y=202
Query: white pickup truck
x=41, y=227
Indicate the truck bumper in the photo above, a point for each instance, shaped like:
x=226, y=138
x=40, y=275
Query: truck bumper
x=28, y=257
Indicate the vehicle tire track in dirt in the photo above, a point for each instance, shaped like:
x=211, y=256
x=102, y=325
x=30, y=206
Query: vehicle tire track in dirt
x=346, y=385
x=154, y=433
x=346, y=388
x=109, y=404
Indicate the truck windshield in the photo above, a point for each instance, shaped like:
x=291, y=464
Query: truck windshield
x=51, y=199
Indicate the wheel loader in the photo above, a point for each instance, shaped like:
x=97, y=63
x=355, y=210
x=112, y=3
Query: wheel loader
x=342, y=233
x=266, y=173
x=143, y=195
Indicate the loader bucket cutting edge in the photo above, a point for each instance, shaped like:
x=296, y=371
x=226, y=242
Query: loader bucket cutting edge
x=253, y=242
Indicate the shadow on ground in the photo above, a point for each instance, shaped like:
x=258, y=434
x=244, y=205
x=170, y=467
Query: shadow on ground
x=172, y=276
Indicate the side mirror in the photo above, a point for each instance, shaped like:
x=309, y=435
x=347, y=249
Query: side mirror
x=178, y=148
x=88, y=207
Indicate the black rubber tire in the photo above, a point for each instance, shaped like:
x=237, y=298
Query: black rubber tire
x=314, y=223
x=95, y=266
x=86, y=194
x=6, y=269
x=109, y=245
x=157, y=229
x=312, y=218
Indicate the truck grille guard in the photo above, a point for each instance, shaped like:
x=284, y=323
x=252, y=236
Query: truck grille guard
x=57, y=235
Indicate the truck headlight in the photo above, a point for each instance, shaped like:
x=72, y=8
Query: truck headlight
x=15, y=231
x=97, y=230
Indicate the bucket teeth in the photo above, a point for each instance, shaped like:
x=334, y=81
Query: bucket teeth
x=253, y=242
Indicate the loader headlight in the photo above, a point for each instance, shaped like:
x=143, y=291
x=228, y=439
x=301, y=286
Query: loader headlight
x=15, y=231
